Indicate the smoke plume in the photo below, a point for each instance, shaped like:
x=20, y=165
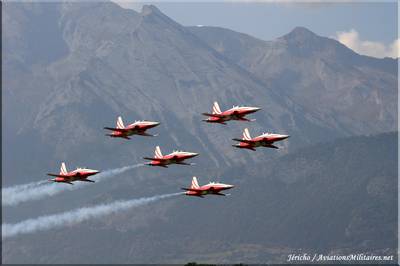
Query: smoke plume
x=48, y=222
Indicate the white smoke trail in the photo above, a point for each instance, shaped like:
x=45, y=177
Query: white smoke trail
x=18, y=188
x=75, y=216
x=15, y=195
x=113, y=172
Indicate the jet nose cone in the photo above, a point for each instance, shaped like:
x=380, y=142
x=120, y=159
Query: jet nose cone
x=252, y=109
x=194, y=154
x=93, y=172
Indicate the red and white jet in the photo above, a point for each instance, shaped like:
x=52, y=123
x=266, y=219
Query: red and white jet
x=235, y=113
x=176, y=157
x=137, y=128
x=80, y=174
x=264, y=140
x=212, y=188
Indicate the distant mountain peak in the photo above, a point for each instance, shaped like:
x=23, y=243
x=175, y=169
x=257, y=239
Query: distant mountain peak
x=303, y=42
x=302, y=31
x=300, y=34
x=151, y=10
x=152, y=13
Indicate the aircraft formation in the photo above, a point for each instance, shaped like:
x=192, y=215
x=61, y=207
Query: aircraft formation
x=237, y=113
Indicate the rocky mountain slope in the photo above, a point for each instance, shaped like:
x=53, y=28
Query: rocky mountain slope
x=71, y=68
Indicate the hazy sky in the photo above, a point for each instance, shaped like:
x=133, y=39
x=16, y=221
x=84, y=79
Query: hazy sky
x=369, y=28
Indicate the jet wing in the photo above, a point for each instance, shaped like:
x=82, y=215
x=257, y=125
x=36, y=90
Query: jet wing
x=192, y=189
x=214, y=115
x=70, y=178
x=155, y=159
x=116, y=129
x=272, y=146
x=244, y=140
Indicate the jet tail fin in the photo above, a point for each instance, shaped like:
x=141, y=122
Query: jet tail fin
x=195, y=184
x=63, y=169
x=120, y=123
x=216, y=109
x=246, y=134
x=157, y=152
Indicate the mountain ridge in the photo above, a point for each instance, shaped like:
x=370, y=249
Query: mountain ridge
x=314, y=70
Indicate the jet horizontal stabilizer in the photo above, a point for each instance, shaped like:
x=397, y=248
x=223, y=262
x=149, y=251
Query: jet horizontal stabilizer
x=54, y=175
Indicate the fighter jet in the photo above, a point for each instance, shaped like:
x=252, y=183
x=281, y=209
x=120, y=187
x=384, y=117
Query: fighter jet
x=137, y=128
x=211, y=188
x=264, y=140
x=176, y=157
x=235, y=113
x=80, y=174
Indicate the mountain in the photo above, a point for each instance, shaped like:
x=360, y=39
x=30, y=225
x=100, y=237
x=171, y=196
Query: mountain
x=334, y=198
x=140, y=65
x=327, y=79
x=71, y=69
